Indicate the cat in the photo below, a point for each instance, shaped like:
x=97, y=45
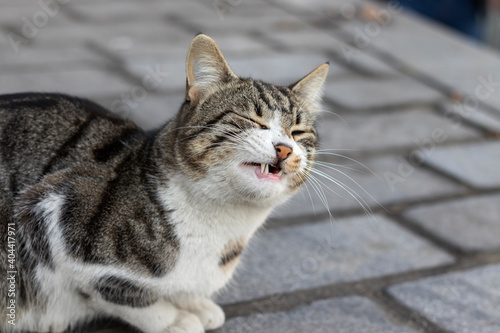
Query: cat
x=101, y=219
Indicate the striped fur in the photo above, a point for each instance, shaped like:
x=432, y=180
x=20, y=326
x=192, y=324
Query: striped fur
x=113, y=222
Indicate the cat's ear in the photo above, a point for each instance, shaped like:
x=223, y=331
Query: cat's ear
x=205, y=67
x=310, y=88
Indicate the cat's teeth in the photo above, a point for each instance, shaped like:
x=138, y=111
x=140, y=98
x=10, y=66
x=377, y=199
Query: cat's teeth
x=267, y=169
x=280, y=173
x=262, y=167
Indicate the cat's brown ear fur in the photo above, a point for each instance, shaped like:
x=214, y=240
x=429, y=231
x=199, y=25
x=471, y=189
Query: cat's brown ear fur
x=310, y=88
x=205, y=67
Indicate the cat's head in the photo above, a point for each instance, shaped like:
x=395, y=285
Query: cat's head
x=244, y=140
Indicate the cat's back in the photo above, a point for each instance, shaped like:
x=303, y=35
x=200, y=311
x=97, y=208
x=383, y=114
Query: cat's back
x=42, y=133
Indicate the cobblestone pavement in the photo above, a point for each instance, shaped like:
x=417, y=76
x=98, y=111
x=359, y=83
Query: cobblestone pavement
x=412, y=128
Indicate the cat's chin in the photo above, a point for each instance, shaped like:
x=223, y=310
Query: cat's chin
x=265, y=186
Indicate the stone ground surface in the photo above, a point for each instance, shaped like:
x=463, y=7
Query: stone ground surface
x=409, y=168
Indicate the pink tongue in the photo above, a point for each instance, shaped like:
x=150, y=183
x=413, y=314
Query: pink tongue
x=270, y=176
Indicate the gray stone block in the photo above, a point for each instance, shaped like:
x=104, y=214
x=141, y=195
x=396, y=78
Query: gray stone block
x=152, y=38
x=431, y=43
x=487, y=119
x=246, y=9
x=368, y=63
x=475, y=163
x=388, y=180
x=476, y=85
x=33, y=14
x=348, y=314
x=429, y=51
x=461, y=302
x=281, y=68
x=150, y=113
x=81, y=33
x=359, y=92
x=14, y=4
x=242, y=17
x=322, y=8
x=394, y=179
x=278, y=68
x=239, y=45
x=472, y=223
x=31, y=26
x=315, y=40
x=29, y=58
x=88, y=82
x=409, y=128
x=173, y=70
x=312, y=255
x=309, y=38
x=110, y=12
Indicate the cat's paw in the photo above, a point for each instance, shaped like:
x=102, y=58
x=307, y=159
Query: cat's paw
x=209, y=313
x=186, y=322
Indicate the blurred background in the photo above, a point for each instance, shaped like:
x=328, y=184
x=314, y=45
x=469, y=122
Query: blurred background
x=398, y=230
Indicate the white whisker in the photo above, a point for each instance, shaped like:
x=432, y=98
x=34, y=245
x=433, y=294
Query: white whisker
x=360, y=200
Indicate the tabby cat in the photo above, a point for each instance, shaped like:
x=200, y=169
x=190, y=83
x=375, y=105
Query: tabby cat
x=100, y=219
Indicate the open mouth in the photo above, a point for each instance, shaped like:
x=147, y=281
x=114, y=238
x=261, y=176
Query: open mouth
x=266, y=171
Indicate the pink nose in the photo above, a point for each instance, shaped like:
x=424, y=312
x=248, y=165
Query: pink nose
x=282, y=151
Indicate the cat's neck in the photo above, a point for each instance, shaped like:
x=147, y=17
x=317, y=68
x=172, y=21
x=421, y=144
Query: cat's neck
x=193, y=207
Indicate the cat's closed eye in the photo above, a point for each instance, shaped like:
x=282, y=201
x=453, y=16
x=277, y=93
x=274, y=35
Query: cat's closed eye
x=257, y=123
x=263, y=127
x=297, y=133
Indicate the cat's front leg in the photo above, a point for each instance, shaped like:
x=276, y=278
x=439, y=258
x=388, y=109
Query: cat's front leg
x=210, y=314
x=160, y=317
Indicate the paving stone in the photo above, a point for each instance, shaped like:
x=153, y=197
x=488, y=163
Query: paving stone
x=322, y=7
x=369, y=64
x=394, y=180
x=360, y=92
x=81, y=33
x=319, y=41
x=18, y=3
x=284, y=69
x=475, y=164
x=149, y=113
x=234, y=19
x=133, y=11
x=477, y=85
x=307, y=38
x=88, y=82
x=236, y=45
x=131, y=50
x=429, y=51
x=431, y=42
x=328, y=252
x=311, y=3
x=246, y=9
x=487, y=119
x=173, y=70
x=137, y=52
x=5, y=44
x=172, y=45
x=348, y=314
x=461, y=302
x=30, y=58
x=409, y=128
x=33, y=16
x=471, y=223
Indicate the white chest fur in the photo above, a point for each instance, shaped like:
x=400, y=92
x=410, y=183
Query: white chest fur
x=204, y=230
